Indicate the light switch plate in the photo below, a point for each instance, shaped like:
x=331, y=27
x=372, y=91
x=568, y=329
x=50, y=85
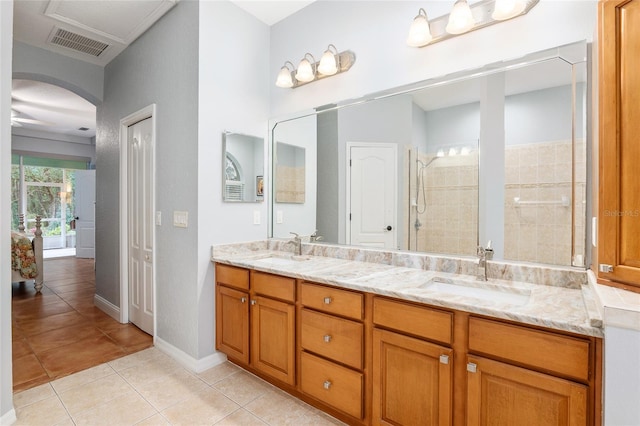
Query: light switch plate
x=279, y=216
x=180, y=219
x=158, y=218
x=256, y=217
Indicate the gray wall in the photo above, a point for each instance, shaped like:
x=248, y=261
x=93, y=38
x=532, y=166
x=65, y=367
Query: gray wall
x=54, y=145
x=160, y=67
x=328, y=212
x=453, y=125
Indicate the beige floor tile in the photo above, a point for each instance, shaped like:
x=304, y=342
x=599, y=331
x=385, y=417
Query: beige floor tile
x=82, y=377
x=205, y=408
x=33, y=395
x=150, y=370
x=89, y=395
x=242, y=387
x=277, y=408
x=168, y=390
x=135, y=359
x=240, y=417
x=127, y=409
x=46, y=412
x=317, y=418
x=155, y=420
x=66, y=422
x=219, y=372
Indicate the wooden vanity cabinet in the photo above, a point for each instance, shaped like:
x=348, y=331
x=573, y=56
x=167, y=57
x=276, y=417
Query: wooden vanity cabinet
x=618, y=195
x=232, y=312
x=412, y=375
x=332, y=348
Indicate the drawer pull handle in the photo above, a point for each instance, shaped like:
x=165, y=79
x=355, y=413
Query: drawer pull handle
x=444, y=359
x=327, y=300
x=243, y=300
x=327, y=338
x=471, y=367
x=326, y=384
x=253, y=302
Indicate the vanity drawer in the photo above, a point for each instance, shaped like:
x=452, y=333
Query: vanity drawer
x=546, y=351
x=332, y=300
x=419, y=321
x=275, y=286
x=332, y=384
x=332, y=337
x=232, y=276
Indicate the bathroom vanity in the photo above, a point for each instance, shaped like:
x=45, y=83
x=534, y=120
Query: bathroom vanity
x=380, y=337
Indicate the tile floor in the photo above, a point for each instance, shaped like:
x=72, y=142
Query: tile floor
x=150, y=388
x=60, y=331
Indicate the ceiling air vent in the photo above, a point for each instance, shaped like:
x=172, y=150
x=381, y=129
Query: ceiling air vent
x=77, y=42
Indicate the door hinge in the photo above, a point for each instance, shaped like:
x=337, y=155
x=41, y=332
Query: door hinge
x=350, y=162
x=603, y=267
x=349, y=216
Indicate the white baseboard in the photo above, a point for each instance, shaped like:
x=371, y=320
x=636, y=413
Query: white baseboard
x=107, y=307
x=8, y=418
x=187, y=361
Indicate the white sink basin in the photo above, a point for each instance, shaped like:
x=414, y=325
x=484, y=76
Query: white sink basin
x=480, y=290
x=281, y=260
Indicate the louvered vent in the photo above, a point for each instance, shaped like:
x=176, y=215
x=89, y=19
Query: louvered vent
x=77, y=42
x=233, y=190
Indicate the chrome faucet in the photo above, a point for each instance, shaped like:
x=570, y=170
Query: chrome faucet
x=297, y=241
x=315, y=237
x=484, y=254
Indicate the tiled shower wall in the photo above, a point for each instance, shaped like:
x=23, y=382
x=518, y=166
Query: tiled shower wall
x=449, y=223
x=543, y=231
x=289, y=184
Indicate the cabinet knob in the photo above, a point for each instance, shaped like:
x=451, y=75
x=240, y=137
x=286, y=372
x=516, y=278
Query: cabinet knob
x=471, y=367
x=326, y=384
x=327, y=300
x=253, y=302
x=243, y=300
x=327, y=338
x=444, y=359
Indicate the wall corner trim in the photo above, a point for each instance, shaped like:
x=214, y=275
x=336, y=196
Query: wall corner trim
x=9, y=417
x=187, y=361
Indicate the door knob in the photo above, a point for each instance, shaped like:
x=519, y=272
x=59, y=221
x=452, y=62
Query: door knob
x=388, y=228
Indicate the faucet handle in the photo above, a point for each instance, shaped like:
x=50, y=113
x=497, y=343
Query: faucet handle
x=295, y=235
x=480, y=251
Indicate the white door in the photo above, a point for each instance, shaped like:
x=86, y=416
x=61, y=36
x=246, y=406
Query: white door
x=372, y=195
x=140, y=158
x=85, y=215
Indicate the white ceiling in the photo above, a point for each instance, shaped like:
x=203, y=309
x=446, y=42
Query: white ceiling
x=116, y=23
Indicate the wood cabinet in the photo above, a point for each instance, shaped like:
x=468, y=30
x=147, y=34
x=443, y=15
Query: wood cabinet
x=618, y=196
x=255, y=320
x=412, y=377
x=371, y=359
x=332, y=351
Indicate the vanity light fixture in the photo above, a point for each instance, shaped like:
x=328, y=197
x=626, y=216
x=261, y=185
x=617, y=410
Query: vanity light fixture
x=463, y=19
x=331, y=63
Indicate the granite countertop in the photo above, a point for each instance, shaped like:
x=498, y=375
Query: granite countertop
x=570, y=308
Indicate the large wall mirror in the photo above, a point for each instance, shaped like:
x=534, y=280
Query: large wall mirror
x=498, y=153
x=242, y=168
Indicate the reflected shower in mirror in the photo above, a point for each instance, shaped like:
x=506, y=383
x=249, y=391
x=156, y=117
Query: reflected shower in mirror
x=497, y=153
x=242, y=168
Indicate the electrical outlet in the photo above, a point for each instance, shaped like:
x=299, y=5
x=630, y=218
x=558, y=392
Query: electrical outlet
x=256, y=217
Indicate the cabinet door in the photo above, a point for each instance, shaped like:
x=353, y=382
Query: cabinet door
x=619, y=150
x=272, y=338
x=411, y=381
x=502, y=394
x=232, y=323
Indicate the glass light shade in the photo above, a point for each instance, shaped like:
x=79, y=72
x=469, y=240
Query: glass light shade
x=453, y=152
x=305, y=72
x=506, y=9
x=328, y=65
x=284, y=78
x=440, y=153
x=419, y=33
x=465, y=150
x=460, y=19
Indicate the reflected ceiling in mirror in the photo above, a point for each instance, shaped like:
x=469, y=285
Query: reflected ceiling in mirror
x=468, y=145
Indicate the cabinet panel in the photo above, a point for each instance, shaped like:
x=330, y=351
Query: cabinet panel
x=332, y=337
x=502, y=394
x=563, y=355
x=231, y=276
x=272, y=338
x=275, y=286
x=619, y=150
x=412, y=385
x=332, y=300
x=335, y=385
x=417, y=320
x=232, y=323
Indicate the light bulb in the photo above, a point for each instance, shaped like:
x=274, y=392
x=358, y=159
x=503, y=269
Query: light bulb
x=305, y=72
x=328, y=64
x=465, y=150
x=506, y=9
x=419, y=33
x=284, y=78
x=440, y=153
x=460, y=19
x=452, y=152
